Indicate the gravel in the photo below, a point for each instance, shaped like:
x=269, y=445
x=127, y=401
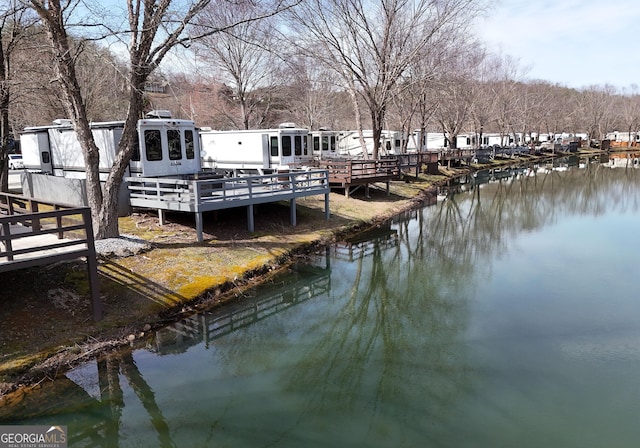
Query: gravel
x=124, y=246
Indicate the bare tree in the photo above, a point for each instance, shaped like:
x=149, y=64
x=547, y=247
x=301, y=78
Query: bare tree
x=595, y=105
x=315, y=98
x=456, y=93
x=455, y=100
x=629, y=111
x=14, y=26
x=541, y=96
x=372, y=43
x=241, y=53
x=153, y=29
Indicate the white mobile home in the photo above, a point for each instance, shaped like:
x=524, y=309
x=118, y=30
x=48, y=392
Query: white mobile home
x=349, y=143
x=54, y=161
x=260, y=150
x=624, y=138
x=165, y=147
x=324, y=143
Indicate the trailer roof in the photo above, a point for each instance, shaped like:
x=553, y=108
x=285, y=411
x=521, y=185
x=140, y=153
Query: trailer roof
x=69, y=126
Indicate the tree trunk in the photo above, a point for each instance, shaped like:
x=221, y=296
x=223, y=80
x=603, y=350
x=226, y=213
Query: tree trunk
x=377, y=123
x=358, y=117
x=4, y=119
x=108, y=214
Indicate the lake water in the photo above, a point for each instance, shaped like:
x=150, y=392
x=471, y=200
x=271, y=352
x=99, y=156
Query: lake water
x=505, y=315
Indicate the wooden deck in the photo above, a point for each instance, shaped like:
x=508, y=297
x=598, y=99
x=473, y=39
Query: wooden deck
x=34, y=233
x=218, y=192
x=352, y=174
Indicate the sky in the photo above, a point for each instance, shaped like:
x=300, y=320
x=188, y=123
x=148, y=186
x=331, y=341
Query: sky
x=574, y=43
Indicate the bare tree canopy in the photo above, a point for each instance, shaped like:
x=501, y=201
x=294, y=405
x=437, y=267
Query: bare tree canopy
x=153, y=28
x=371, y=43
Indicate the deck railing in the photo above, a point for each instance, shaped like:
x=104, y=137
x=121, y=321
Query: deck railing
x=357, y=171
x=220, y=192
x=26, y=222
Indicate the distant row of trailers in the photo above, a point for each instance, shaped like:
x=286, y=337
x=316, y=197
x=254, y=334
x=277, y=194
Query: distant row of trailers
x=179, y=153
x=168, y=146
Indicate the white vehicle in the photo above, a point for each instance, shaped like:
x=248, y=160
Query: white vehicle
x=349, y=143
x=15, y=162
x=324, y=143
x=54, y=160
x=166, y=147
x=259, y=150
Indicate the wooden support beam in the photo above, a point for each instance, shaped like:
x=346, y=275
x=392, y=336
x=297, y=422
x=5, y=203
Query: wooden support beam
x=326, y=206
x=199, y=226
x=250, y=220
x=294, y=220
x=160, y=216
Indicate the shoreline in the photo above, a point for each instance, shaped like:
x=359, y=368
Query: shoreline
x=125, y=327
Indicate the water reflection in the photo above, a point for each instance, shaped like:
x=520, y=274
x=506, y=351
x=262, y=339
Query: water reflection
x=369, y=345
x=297, y=287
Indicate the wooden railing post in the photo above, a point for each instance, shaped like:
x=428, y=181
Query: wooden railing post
x=59, y=222
x=92, y=266
x=6, y=237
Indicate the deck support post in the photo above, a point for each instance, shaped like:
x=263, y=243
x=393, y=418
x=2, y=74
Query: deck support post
x=294, y=221
x=388, y=188
x=160, y=216
x=199, y=226
x=92, y=266
x=326, y=206
x=250, y=223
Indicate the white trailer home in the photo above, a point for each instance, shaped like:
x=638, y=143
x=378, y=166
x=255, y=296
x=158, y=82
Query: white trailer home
x=165, y=147
x=324, y=143
x=349, y=143
x=435, y=141
x=258, y=150
x=54, y=161
x=619, y=138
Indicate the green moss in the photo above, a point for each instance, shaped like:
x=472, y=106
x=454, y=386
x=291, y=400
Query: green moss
x=78, y=280
x=200, y=285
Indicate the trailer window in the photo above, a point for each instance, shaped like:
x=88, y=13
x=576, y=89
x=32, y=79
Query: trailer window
x=298, y=144
x=316, y=143
x=273, y=143
x=325, y=143
x=188, y=142
x=305, y=145
x=153, y=145
x=175, y=147
x=333, y=143
x=286, y=146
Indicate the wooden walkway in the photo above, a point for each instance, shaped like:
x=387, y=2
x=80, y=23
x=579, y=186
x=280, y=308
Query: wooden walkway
x=32, y=233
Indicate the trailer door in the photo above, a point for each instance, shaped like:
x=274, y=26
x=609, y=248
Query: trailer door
x=266, y=160
x=46, y=164
x=287, y=146
x=36, y=153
